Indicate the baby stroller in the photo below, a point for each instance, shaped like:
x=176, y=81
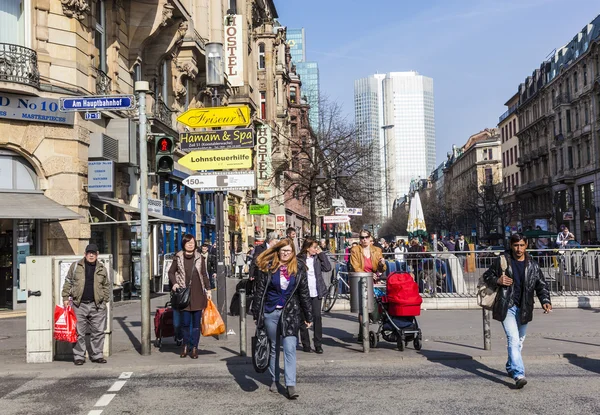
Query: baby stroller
x=398, y=309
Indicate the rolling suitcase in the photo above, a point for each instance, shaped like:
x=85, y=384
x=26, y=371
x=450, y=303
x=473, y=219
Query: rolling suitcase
x=163, y=324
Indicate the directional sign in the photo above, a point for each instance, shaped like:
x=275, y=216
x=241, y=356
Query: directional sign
x=241, y=138
x=95, y=103
x=348, y=211
x=227, y=180
x=216, y=117
x=259, y=209
x=92, y=116
x=338, y=202
x=218, y=159
x=336, y=219
x=324, y=212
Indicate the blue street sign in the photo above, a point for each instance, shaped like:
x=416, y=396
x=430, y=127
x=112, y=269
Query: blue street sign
x=96, y=103
x=92, y=116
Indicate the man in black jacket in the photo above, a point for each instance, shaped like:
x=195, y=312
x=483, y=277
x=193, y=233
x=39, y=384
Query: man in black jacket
x=516, y=284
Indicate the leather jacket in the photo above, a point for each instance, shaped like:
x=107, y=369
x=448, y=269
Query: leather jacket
x=321, y=265
x=291, y=317
x=534, y=283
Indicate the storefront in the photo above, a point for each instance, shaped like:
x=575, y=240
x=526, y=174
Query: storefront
x=23, y=211
x=208, y=230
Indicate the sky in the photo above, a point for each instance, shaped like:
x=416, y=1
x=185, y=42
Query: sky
x=476, y=51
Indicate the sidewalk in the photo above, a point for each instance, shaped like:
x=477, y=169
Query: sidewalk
x=453, y=334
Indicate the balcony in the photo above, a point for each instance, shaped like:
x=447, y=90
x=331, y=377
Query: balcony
x=103, y=82
x=562, y=99
x=19, y=64
x=162, y=113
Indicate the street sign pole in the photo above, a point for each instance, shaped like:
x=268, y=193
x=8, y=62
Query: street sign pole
x=141, y=87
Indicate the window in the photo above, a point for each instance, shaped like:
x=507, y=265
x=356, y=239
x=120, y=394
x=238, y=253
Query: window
x=559, y=122
x=293, y=94
x=261, y=56
x=489, y=177
x=13, y=19
x=100, y=35
x=577, y=118
x=586, y=114
x=578, y=155
x=588, y=152
x=503, y=159
x=515, y=126
x=512, y=156
x=555, y=163
x=562, y=160
x=575, y=82
x=516, y=179
x=568, y=121
x=510, y=130
x=263, y=105
x=570, y=157
x=585, y=80
x=512, y=180
x=502, y=134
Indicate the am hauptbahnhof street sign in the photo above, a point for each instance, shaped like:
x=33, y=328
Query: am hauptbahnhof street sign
x=97, y=103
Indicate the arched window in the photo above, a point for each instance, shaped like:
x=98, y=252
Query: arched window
x=16, y=172
x=261, y=56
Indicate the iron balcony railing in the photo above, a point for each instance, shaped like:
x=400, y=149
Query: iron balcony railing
x=103, y=83
x=19, y=64
x=163, y=113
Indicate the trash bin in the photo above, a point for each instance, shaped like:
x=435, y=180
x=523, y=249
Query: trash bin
x=354, y=282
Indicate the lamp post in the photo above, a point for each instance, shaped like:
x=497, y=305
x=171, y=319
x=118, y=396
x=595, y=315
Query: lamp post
x=215, y=79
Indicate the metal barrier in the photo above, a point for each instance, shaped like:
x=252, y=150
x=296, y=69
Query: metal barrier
x=569, y=272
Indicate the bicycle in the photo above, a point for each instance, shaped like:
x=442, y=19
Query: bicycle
x=332, y=290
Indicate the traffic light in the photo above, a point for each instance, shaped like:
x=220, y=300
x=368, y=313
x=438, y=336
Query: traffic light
x=164, y=147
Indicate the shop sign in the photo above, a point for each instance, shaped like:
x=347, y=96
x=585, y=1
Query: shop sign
x=100, y=176
x=240, y=138
x=568, y=216
x=154, y=205
x=348, y=211
x=336, y=219
x=264, y=168
x=36, y=109
x=260, y=209
x=338, y=203
x=234, y=50
x=270, y=222
x=216, y=117
x=217, y=159
x=280, y=222
x=227, y=180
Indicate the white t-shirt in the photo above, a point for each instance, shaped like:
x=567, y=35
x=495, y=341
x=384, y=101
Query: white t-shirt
x=399, y=255
x=312, y=278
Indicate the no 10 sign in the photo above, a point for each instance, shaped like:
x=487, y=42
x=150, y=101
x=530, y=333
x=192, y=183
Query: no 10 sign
x=33, y=109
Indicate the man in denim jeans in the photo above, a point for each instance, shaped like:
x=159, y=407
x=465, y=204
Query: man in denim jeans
x=516, y=277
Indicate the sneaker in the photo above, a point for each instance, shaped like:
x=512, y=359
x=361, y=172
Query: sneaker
x=520, y=382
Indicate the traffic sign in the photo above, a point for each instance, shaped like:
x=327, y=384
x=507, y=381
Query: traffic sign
x=259, y=209
x=91, y=103
x=240, y=138
x=227, y=180
x=217, y=159
x=338, y=202
x=348, y=211
x=92, y=116
x=324, y=212
x=336, y=219
x=216, y=117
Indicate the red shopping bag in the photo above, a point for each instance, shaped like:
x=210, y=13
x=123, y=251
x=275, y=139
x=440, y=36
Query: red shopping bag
x=65, y=324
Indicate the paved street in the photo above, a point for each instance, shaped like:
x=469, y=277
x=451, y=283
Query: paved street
x=452, y=374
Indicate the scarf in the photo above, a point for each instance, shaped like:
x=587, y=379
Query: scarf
x=284, y=272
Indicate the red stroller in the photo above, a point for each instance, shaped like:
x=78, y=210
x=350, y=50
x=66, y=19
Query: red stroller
x=398, y=310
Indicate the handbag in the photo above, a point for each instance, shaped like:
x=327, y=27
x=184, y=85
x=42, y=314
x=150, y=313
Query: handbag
x=261, y=350
x=180, y=299
x=486, y=296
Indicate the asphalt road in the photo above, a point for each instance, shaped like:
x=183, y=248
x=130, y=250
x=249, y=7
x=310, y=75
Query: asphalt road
x=557, y=386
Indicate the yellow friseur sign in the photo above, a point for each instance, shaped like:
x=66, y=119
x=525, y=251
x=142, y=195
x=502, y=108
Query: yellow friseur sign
x=218, y=159
x=216, y=117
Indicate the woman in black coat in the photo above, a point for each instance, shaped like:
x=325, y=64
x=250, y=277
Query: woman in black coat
x=281, y=299
x=316, y=263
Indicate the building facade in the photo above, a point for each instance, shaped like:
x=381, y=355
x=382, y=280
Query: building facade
x=511, y=173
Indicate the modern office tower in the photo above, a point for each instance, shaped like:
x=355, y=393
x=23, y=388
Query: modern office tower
x=403, y=123
x=308, y=72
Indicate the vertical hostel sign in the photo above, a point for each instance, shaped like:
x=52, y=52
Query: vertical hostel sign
x=264, y=168
x=234, y=50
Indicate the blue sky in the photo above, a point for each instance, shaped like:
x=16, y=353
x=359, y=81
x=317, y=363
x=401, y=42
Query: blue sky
x=476, y=51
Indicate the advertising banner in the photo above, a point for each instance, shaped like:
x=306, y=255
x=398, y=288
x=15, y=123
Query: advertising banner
x=264, y=168
x=100, y=176
x=27, y=108
x=227, y=180
x=218, y=159
x=241, y=138
x=216, y=117
x=234, y=50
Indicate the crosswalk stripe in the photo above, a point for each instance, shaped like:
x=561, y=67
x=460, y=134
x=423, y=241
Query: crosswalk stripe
x=105, y=399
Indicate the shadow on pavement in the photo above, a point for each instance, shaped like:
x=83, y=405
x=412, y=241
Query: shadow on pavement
x=468, y=364
x=572, y=341
x=459, y=344
x=593, y=365
x=341, y=316
x=132, y=337
x=243, y=372
x=345, y=338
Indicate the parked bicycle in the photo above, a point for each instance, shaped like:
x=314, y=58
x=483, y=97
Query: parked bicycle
x=334, y=287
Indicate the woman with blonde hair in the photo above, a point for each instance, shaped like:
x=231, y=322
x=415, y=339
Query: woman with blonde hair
x=281, y=298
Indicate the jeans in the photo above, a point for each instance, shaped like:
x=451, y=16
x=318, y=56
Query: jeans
x=191, y=323
x=318, y=325
x=178, y=324
x=273, y=326
x=515, y=336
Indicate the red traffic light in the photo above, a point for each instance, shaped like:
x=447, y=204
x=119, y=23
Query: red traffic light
x=164, y=144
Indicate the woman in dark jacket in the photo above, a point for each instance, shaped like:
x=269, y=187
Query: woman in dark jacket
x=280, y=296
x=316, y=262
x=190, y=268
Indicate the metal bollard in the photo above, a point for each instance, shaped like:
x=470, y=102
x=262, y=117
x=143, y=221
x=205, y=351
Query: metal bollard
x=364, y=311
x=487, y=331
x=242, y=322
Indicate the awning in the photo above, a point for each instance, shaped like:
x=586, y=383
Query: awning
x=156, y=217
x=32, y=205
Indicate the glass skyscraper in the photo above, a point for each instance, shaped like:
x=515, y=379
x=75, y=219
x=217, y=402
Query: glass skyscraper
x=397, y=110
x=308, y=72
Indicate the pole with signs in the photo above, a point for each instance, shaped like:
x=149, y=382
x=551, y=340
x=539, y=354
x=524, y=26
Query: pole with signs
x=141, y=87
